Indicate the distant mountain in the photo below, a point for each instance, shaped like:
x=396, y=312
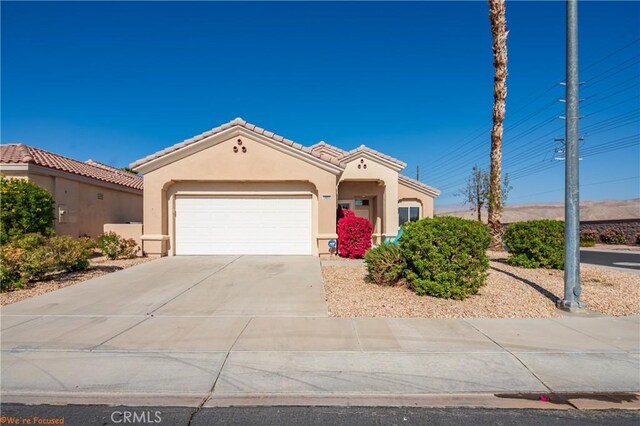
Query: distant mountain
x=589, y=210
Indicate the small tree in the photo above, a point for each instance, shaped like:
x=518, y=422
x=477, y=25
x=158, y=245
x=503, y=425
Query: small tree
x=24, y=208
x=475, y=194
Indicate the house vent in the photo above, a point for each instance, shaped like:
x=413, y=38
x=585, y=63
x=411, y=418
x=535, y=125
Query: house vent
x=100, y=196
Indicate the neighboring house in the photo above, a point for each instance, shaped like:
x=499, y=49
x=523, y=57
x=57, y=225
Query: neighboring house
x=240, y=189
x=87, y=195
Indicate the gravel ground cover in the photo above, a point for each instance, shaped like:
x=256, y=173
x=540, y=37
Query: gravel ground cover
x=100, y=265
x=510, y=292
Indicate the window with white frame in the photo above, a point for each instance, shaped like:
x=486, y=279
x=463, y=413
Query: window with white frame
x=408, y=214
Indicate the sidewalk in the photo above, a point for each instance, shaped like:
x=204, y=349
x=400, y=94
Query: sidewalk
x=324, y=361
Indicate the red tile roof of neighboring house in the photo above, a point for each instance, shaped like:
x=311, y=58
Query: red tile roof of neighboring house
x=23, y=154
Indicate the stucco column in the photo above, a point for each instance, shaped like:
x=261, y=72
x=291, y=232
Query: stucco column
x=390, y=216
x=327, y=204
x=154, y=234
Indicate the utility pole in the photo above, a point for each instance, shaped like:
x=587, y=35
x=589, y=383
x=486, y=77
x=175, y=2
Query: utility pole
x=417, y=172
x=572, y=288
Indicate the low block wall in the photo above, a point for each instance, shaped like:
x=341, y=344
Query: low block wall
x=630, y=227
x=126, y=230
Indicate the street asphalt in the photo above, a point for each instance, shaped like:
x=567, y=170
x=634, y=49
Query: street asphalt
x=611, y=258
x=87, y=415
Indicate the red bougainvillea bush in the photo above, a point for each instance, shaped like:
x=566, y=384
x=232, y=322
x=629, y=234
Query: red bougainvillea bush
x=354, y=235
x=344, y=213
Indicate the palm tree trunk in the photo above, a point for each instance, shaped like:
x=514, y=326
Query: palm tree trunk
x=497, y=16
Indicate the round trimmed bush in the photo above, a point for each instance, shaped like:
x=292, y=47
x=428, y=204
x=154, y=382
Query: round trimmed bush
x=354, y=236
x=114, y=246
x=70, y=254
x=536, y=244
x=446, y=256
x=385, y=264
x=26, y=207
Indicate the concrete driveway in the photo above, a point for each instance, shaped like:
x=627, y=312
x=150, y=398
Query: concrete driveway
x=193, y=286
x=163, y=327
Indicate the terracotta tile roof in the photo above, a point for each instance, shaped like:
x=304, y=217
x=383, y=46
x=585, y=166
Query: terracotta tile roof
x=322, y=146
x=416, y=183
x=236, y=122
x=23, y=154
x=363, y=148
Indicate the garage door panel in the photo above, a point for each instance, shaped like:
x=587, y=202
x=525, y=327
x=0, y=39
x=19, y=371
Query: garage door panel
x=232, y=225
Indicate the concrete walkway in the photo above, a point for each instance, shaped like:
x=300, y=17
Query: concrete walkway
x=233, y=331
x=234, y=360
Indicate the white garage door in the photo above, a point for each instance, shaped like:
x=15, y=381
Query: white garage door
x=219, y=225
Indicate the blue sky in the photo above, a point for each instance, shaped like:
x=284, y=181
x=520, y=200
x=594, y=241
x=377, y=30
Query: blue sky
x=117, y=81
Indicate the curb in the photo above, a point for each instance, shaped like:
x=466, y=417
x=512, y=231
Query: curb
x=561, y=401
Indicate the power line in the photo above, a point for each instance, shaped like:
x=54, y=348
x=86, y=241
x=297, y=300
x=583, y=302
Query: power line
x=581, y=185
x=471, y=155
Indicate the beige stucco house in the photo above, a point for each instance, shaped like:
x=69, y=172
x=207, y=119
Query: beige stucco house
x=87, y=195
x=241, y=189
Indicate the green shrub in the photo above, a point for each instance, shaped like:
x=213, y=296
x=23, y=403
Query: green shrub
x=588, y=238
x=26, y=207
x=31, y=257
x=36, y=263
x=385, y=264
x=10, y=275
x=36, y=260
x=613, y=236
x=536, y=243
x=70, y=254
x=29, y=241
x=446, y=256
x=113, y=246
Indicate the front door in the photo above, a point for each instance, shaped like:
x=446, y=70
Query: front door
x=363, y=208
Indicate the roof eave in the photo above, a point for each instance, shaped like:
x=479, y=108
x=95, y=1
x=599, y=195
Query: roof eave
x=418, y=186
x=396, y=166
x=146, y=166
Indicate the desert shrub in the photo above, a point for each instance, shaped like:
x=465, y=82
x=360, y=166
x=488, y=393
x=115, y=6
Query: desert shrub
x=637, y=238
x=588, y=238
x=26, y=208
x=613, y=236
x=69, y=254
x=536, y=244
x=31, y=257
x=114, y=246
x=36, y=260
x=29, y=241
x=10, y=260
x=385, y=264
x=445, y=256
x=36, y=263
x=354, y=236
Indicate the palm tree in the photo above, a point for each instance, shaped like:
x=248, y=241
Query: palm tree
x=498, y=18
